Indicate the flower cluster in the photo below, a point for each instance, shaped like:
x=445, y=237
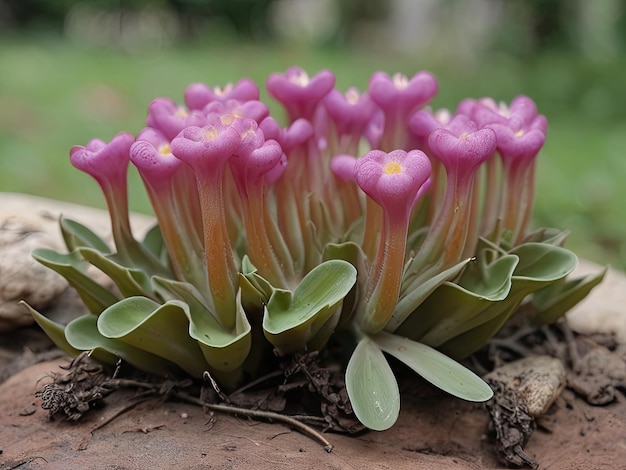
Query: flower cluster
x=356, y=215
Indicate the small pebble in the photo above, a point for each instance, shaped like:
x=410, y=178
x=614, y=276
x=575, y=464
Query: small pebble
x=537, y=381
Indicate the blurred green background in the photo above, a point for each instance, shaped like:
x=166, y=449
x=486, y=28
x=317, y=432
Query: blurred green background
x=73, y=70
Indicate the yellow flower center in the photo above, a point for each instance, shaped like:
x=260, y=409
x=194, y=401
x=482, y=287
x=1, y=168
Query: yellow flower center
x=400, y=81
x=392, y=168
x=463, y=136
x=222, y=91
x=165, y=149
x=211, y=133
x=301, y=78
x=181, y=113
x=228, y=119
x=352, y=96
x=519, y=133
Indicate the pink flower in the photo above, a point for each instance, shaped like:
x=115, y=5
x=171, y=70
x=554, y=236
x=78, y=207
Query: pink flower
x=519, y=129
x=393, y=179
x=198, y=95
x=342, y=167
x=251, y=109
x=298, y=132
x=523, y=134
x=170, y=118
x=350, y=112
x=299, y=94
x=461, y=147
x=423, y=122
x=107, y=163
x=152, y=156
x=399, y=95
x=206, y=148
x=255, y=156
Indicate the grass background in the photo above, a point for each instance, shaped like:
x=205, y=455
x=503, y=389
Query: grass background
x=55, y=94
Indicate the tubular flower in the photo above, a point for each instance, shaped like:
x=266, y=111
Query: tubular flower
x=520, y=137
x=107, y=163
x=399, y=97
x=351, y=114
x=207, y=150
x=299, y=94
x=462, y=149
x=251, y=109
x=166, y=179
x=169, y=118
x=393, y=180
x=198, y=95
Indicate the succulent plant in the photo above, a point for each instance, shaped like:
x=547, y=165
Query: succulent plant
x=370, y=215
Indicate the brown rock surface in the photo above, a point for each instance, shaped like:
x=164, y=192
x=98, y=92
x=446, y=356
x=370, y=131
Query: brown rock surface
x=433, y=432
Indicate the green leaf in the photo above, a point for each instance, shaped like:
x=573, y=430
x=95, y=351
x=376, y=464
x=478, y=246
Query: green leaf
x=542, y=262
x=437, y=368
x=490, y=281
x=82, y=334
x=409, y=301
x=162, y=330
x=453, y=309
x=372, y=387
x=225, y=350
x=73, y=268
x=130, y=281
x=540, y=265
x=553, y=301
x=255, y=289
x=153, y=242
x=551, y=236
x=291, y=320
x=353, y=254
x=77, y=235
x=460, y=318
x=55, y=331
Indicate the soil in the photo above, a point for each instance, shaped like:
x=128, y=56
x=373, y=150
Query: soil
x=131, y=431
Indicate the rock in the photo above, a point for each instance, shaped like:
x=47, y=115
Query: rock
x=30, y=222
x=536, y=380
x=604, y=309
x=21, y=277
x=598, y=374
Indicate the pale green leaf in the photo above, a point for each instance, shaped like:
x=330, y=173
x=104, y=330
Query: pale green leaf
x=82, y=334
x=224, y=349
x=553, y=301
x=55, y=331
x=153, y=242
x=73, y=268
x=540, y=265
x=372, y=387
x=77, y=235
x=409, y=301
x=454, y=309
x=440, y=370
x=162, y=330
x=130, y=281
x=291, y=320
